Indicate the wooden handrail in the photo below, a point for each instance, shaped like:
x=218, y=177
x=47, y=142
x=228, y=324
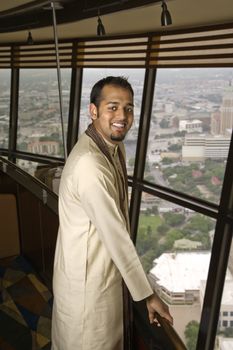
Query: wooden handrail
x=171, y=333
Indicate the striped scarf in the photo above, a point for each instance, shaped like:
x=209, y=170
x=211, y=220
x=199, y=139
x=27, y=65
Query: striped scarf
x=99, y=141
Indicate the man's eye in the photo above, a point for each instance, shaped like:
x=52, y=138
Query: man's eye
x=130, y=110
x=114, y=108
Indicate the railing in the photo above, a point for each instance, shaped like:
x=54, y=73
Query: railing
x=171, y=333
x=151, y=337
x=34, y=185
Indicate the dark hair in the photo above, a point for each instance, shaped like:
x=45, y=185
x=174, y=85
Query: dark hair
x=122, y=82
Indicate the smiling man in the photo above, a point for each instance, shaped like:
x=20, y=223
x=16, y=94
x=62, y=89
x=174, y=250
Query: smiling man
x=112, y=113
x=94, y=252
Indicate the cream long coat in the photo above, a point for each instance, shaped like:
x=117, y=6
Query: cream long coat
x=93, y=252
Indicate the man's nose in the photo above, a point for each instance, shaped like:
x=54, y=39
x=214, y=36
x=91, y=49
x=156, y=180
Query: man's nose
x=122, y=113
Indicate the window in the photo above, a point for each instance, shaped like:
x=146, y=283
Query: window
x=136, y=78
x=49, y=174
x=5, y=75
x=39, y=120
x=191, y=126
x=174, y=245
x=227, y=299
x=224, y=323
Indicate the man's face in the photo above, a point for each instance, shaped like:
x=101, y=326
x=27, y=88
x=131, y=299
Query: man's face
x=114, y=116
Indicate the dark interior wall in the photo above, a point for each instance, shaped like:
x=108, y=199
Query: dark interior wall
x=35, y=226
x=9, y=232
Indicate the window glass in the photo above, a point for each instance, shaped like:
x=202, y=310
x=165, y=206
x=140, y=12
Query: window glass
x=39, y=119
x=191, y=126
x=136, y=79
x=224, y=337
x=49, y=174
x=174, y=245
x=5, y=75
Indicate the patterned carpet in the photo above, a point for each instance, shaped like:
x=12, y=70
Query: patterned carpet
x=25, y=307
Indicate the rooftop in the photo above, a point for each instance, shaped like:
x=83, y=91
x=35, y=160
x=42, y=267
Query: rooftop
x=179, y=272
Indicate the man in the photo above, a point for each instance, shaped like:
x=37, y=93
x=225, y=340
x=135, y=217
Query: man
x=94, y=250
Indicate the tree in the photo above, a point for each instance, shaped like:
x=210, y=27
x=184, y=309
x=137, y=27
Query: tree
x=175, y=147
x=164, y=124
x=173, y=219
x=201, y=223
x=167, y=160
x=155, y=209
x=172, y=236
x=161, y=229
x=191, y=332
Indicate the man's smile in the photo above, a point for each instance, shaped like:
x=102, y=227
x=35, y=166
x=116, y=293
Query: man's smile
x=119, y=125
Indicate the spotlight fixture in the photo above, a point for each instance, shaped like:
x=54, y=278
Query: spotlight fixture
x=30, y=40
x=165, y=16
x=100, y=27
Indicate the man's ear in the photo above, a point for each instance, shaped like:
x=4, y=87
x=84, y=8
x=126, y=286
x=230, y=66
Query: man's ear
x=93, y=111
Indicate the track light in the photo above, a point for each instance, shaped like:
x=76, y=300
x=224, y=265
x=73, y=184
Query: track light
x=100, y=27
x=30, y=41
x=165, y=16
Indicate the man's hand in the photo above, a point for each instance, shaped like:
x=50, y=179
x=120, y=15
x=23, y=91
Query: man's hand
x=155, y=304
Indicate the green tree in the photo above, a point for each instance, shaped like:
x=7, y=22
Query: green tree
x=172, y=236
x=174, y=219
x=175, y=147
x=161, y=229
x=191, y=333
x=164, y=124
x=154, y=209
x=167, y=160
x=147, y=260
x=200, y=223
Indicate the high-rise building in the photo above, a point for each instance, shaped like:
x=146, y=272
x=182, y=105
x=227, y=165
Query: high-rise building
x=226, y=110
x=215, y=123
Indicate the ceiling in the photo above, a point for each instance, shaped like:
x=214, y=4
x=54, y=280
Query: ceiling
x=17, y=17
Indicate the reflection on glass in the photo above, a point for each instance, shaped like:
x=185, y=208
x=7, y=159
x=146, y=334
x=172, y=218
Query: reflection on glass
x=49, y=174
x=39, y=120
x=5, y=75
x=174, y=244
x=136, y=79
x=192, y=121
x=224, y=338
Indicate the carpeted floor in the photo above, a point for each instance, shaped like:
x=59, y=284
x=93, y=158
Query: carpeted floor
x=25, y=307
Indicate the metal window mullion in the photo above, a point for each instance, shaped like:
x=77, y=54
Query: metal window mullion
x=74, y=107
x=140, y=159
x=219, y=261
x=13, y=123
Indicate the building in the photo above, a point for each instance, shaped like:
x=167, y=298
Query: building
x=190, y=126
x=227, y=111
x=215, y=123
x=44, y=147
x=200, y=147
x=180, y=278
x=177, y=276
x=226, y=312
x=187, y=244
x=224, y=343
